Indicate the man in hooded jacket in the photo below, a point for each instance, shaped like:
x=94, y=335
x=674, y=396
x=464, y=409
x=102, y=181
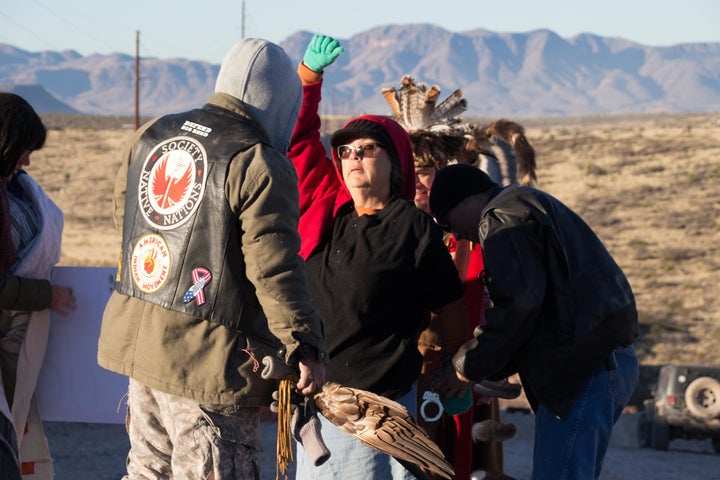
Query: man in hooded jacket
x=210, y=279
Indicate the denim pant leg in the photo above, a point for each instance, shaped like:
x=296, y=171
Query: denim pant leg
x=349, y=458
x=574, y=448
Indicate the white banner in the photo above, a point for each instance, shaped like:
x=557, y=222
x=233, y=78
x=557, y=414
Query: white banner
x=72, y=387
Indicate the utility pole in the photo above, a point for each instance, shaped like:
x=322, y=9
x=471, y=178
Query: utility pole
x=242, y=25
x=137, y=79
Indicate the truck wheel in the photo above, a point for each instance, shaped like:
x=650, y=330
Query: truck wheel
x=702, y=397
x=659, y=436
x=644, y=426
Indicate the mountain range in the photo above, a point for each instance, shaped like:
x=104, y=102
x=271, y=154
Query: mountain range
x=533, y=74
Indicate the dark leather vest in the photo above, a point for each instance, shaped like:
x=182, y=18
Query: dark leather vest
x=181, y=242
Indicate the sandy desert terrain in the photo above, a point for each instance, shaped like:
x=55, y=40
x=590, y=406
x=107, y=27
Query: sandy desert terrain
x=649, y=186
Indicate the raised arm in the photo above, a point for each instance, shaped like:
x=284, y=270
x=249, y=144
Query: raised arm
x=320, y=187
x=317, y=175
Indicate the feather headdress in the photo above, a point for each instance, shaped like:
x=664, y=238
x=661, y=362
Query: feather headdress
x=415, y=105
x=500, y=149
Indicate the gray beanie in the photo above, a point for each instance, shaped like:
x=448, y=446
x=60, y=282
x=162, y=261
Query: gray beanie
x=262, y=76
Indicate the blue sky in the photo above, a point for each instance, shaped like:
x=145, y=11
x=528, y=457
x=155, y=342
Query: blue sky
x=205, y=29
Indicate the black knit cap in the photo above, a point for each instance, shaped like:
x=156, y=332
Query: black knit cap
x=453, y=184
x=365, y=129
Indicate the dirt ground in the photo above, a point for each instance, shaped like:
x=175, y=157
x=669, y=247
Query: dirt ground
x=98, y=451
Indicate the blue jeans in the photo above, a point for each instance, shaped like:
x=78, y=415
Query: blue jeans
x=573, y=448
x=350, y=459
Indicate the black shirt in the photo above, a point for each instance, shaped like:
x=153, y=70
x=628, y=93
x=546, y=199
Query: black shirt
x=374, y=280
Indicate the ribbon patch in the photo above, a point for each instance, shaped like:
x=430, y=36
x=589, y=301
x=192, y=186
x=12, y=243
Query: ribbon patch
x=201, y=277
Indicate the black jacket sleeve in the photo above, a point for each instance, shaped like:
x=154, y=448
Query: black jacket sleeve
x=516, y=280
x=20, y=293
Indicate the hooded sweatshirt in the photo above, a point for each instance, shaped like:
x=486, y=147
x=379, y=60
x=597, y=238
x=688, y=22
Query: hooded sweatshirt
x=182, y=354
x=260, y=74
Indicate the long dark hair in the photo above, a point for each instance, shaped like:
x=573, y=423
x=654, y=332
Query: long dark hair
x=21, y=131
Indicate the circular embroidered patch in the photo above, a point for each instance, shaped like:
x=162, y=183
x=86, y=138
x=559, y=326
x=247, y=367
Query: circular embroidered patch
x=172, y=182
x=150, y=263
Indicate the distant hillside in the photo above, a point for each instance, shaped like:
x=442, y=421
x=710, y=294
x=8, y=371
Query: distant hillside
x=39, y=98
x=533, y=74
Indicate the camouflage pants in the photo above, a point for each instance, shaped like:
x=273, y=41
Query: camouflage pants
x=175, y=438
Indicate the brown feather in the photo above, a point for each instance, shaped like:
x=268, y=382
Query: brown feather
x=390, y=95
x=449, y=108
x=415, y=101
x=382, y=424
x=431, y=96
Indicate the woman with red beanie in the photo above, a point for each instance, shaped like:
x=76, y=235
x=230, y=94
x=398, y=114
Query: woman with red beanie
x=376, y=264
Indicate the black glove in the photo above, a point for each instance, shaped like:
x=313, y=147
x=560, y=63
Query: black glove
x=446, y=381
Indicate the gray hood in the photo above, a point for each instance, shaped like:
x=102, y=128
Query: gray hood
x=262, y=76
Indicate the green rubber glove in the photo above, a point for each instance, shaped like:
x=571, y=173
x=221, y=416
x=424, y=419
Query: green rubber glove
x=459, y=404
x=321, y=52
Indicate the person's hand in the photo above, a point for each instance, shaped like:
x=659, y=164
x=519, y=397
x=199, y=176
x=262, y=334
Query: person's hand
x=321, y=52
x=449, y=382
x=62, y=300
x=312, y=376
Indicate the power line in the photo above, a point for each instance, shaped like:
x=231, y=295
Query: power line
x=60, y=18
x=28, y=30
x=76, y=27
